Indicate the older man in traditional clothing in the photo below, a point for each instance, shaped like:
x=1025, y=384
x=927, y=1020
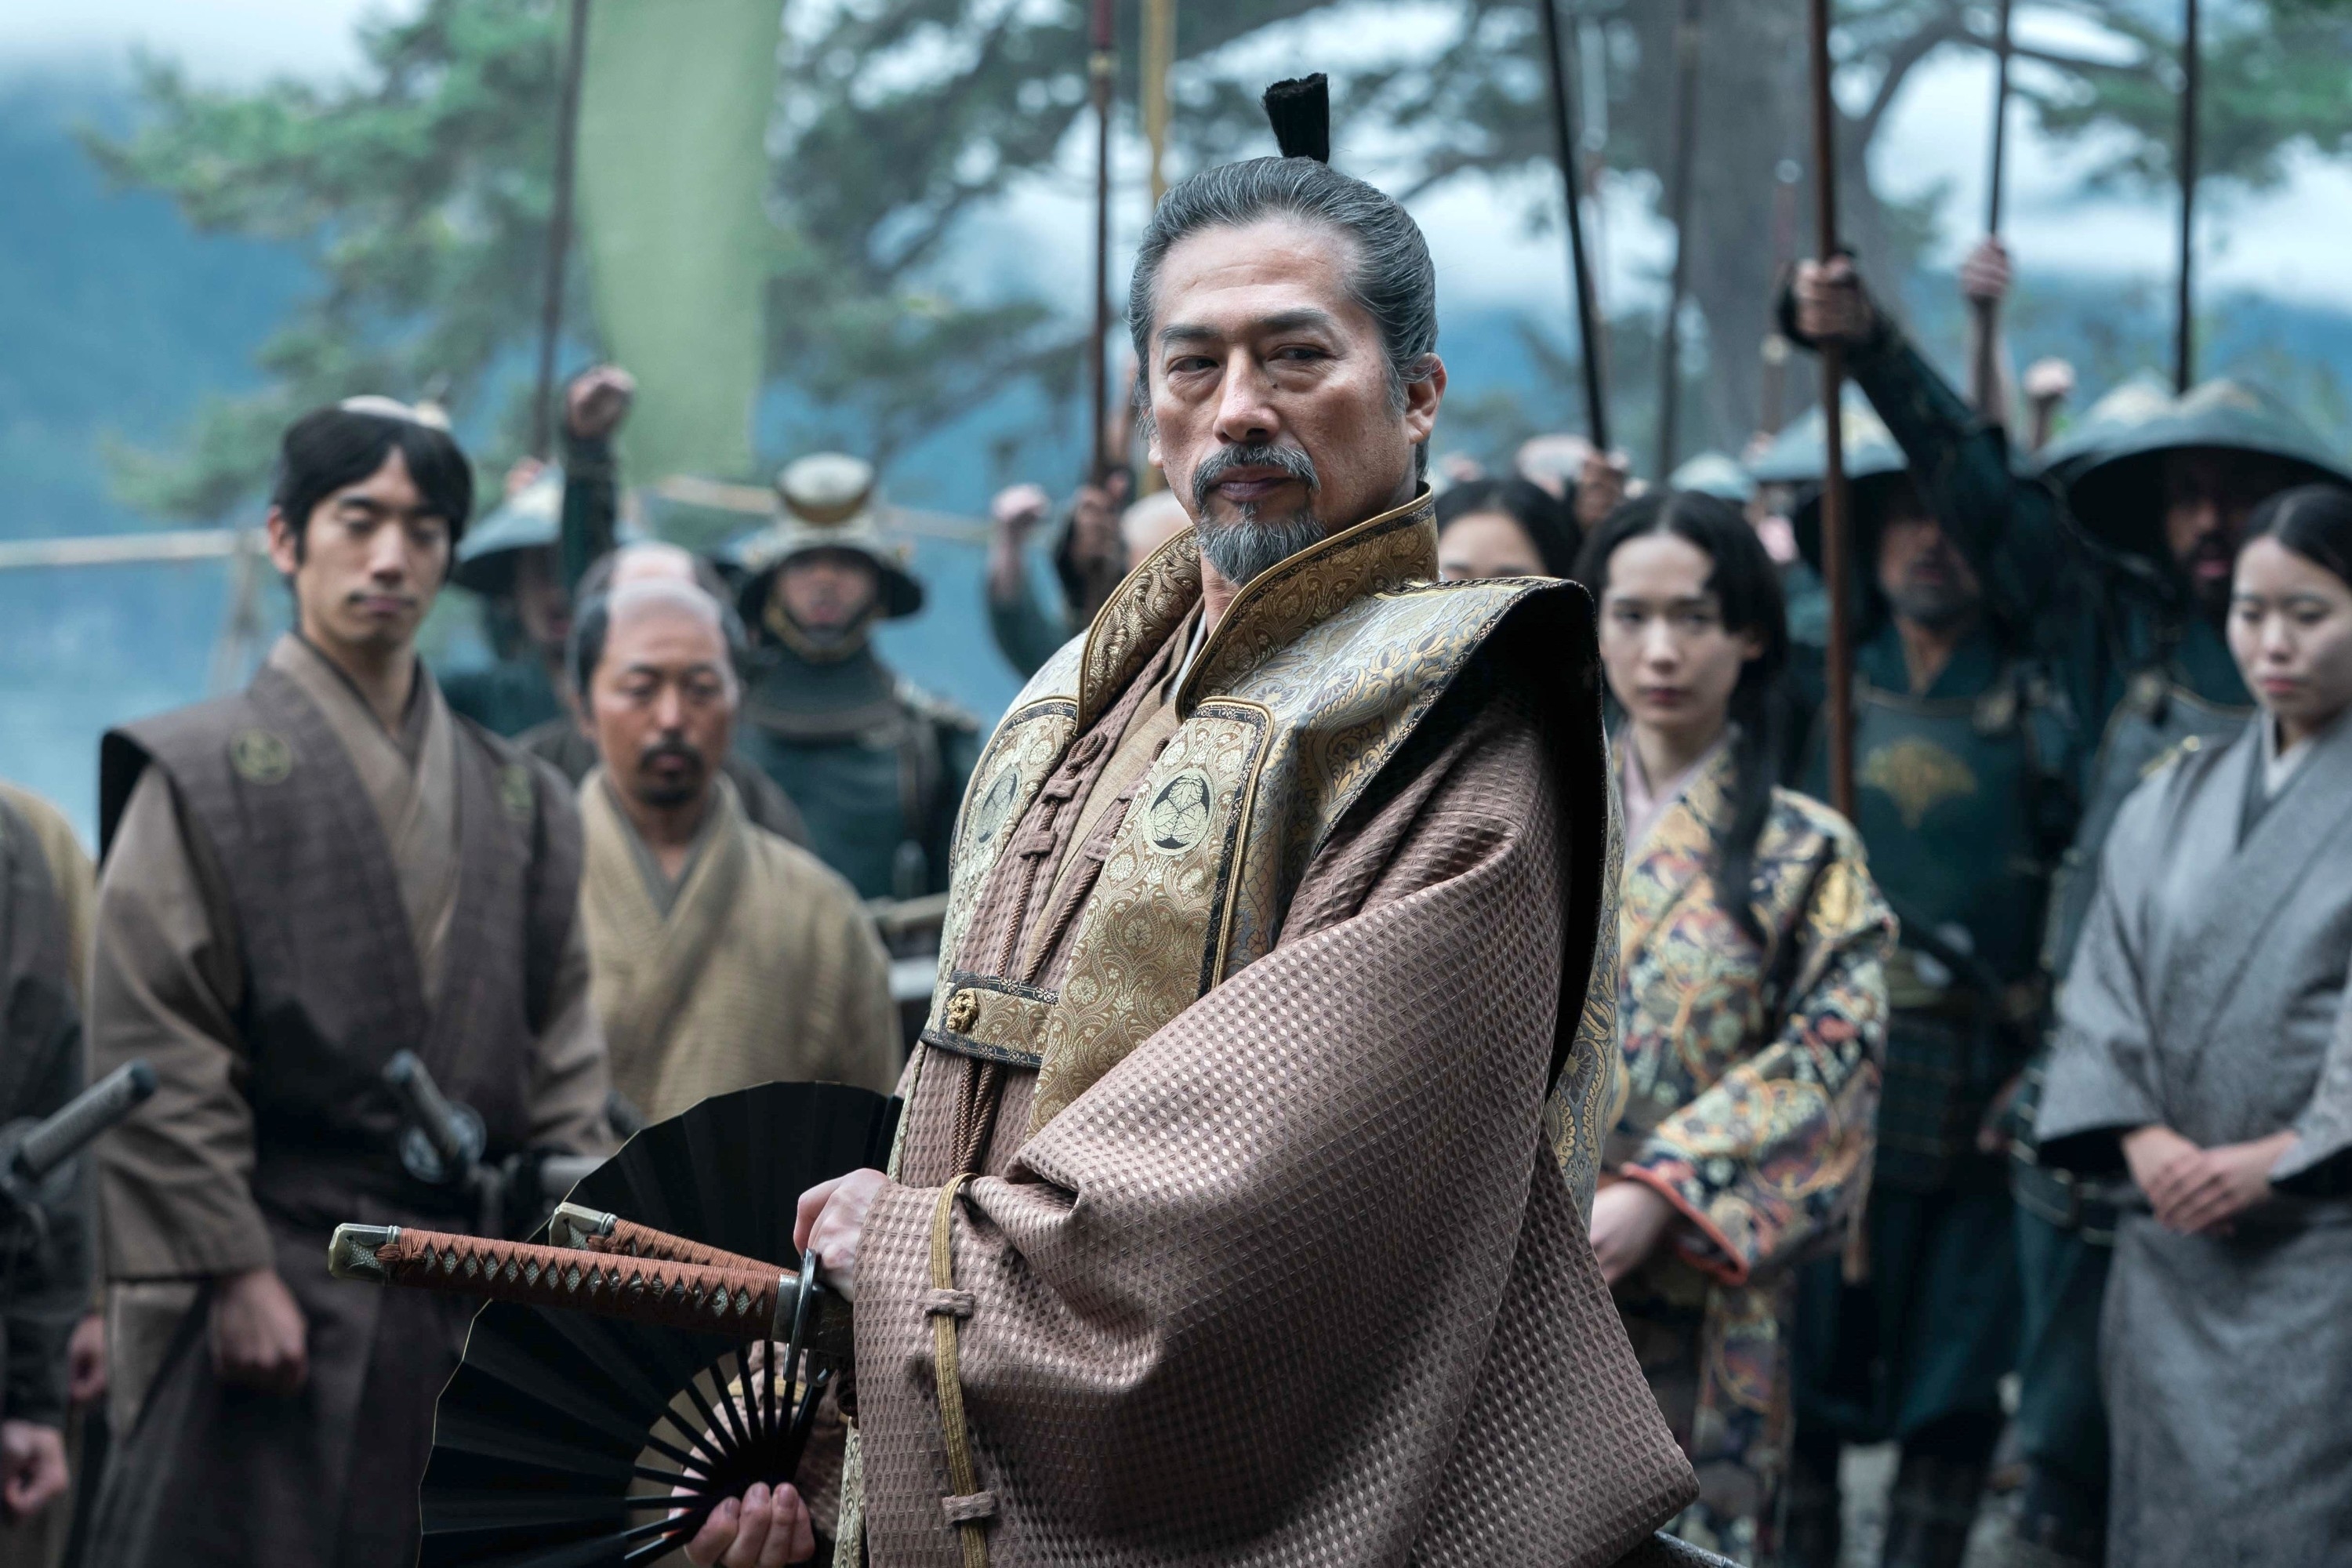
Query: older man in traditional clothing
x=723, y=956
x=568, y=746
x=1225, y=1222
x=300, y=881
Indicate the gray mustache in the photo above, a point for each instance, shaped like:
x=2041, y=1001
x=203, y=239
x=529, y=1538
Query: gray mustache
x=1225, y=460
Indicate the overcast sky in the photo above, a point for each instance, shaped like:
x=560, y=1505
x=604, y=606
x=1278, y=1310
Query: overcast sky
x=2292, y=242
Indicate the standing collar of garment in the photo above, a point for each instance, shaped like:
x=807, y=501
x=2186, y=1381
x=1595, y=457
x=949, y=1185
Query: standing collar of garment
x=792, y=684
x=331, y=686
x=721, y=811
x=1377, y=555
x=1666, y=794
x=2272, y=773
x=1976, y=663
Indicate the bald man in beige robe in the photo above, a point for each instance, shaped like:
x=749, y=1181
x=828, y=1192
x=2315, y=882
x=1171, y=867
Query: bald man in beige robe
x=723, y=956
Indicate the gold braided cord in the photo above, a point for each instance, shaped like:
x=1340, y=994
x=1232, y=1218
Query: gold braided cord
x=953, y=1433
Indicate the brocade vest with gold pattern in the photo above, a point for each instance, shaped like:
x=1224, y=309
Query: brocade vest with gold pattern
x=1318, y=674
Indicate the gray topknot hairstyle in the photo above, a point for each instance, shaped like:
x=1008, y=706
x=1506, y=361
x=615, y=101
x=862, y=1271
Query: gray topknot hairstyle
x=1394, y=279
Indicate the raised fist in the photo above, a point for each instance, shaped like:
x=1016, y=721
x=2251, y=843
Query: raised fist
x=597, y=401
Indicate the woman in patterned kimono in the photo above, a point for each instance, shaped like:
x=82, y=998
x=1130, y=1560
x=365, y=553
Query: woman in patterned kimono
x=1751, y=1002
x=2205, y=1047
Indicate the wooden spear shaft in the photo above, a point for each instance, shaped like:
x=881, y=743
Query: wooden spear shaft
x=2184, y=325
x=559, y=232
x=1579, y=275
x=1988, y=366
x=1670, y=339
x=1101, y=65
x=1836, y=571
x=1159, y=59
x=1772, y=395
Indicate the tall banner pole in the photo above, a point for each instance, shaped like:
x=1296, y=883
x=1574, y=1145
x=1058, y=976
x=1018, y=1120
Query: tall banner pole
x=2184, y=326
x=1579, y=275
x=1836, y=570
x=1987, y=370
x=559, y=232
x=1102, y=66
x=1678, y=196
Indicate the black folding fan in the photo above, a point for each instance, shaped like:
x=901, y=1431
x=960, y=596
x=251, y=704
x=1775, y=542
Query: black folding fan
x=568, y=1440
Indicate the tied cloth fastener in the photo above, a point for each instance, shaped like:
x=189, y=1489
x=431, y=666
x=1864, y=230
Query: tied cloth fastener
x=970, y=1509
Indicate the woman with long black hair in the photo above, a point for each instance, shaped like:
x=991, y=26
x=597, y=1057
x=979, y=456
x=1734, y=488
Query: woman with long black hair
x=2205, y=1047
x=1504, y=528
x=1751, y=1001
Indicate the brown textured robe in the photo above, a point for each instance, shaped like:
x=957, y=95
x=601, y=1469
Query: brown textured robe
x=290, y=894
x=1296, y=1277
x=760, y=964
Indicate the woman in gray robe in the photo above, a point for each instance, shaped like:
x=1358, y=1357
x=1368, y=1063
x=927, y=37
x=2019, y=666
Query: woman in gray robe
x=2206, y=1048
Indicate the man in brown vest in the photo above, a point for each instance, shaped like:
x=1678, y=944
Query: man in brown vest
x=1228, y=1221
x=300, y=881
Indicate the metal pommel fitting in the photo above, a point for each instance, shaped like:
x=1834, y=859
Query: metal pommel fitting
x=351, y=1254
x=576, y=1225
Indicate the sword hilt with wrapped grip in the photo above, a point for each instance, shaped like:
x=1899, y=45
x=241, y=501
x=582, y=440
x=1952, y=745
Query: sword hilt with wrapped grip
x=744, y=1304
x=575, y=1225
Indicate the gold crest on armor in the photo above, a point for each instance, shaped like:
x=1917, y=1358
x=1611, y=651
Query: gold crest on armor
x=261, y=756
x=1918, y=776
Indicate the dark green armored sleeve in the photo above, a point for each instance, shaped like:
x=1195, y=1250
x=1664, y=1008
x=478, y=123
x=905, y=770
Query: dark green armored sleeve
x=591, y=507
x=2008, y=526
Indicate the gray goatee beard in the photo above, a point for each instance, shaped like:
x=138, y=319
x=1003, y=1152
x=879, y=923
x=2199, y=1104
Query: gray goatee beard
x=1251, y=543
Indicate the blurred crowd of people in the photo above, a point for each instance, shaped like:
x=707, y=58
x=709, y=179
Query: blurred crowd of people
x=2003, y=1121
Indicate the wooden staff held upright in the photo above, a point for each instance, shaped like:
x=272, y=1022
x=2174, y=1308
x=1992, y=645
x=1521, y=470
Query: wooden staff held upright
x=1102, y=66
x=2184, y=326
x=1678, y=198
x=1836, y=570
x=1580, y=275
x=1987, y=370
x=558, y=231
